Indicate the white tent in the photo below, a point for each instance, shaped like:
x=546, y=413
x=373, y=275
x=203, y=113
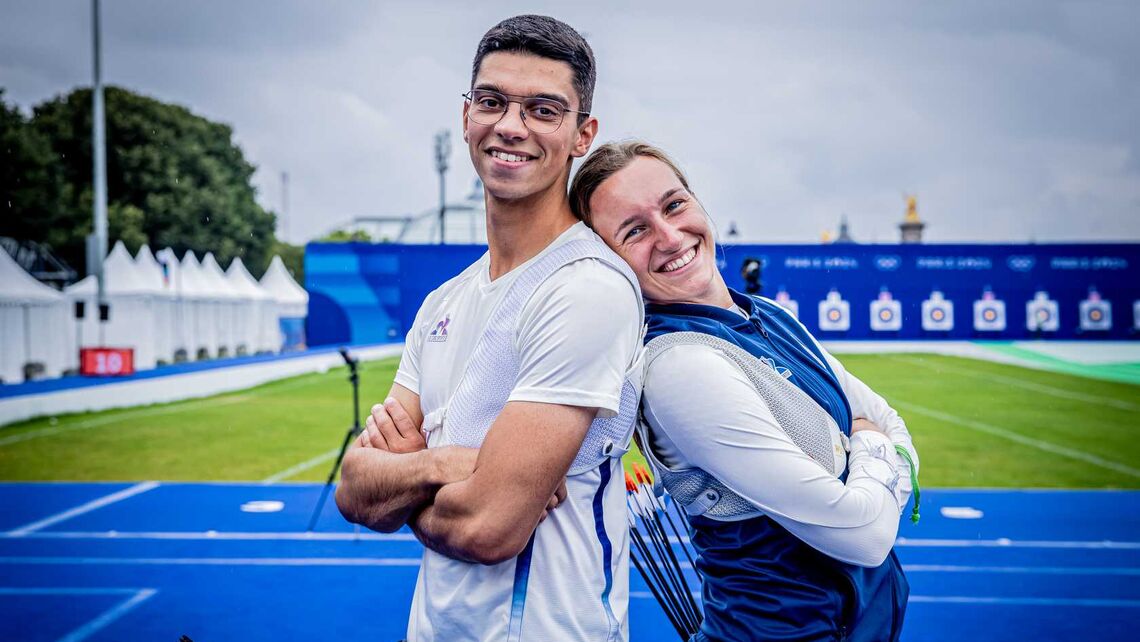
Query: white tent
x=260, y=331
x=205, y=307
x=35, y=326
x=183, y=317
x=292, y=303
x=131, y=320
x=157, y=281
x=233, y=307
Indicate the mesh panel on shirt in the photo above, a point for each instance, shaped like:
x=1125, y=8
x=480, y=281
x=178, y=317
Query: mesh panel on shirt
x=493, y=368
x=607, y=436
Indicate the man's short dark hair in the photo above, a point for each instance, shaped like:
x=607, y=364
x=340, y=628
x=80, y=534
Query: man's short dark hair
x=549, y=38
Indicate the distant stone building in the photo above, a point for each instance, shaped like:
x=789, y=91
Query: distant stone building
x=910, y=230
x=844, y=232
x=842, y=237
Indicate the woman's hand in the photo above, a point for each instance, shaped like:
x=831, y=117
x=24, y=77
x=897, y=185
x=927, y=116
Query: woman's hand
x=558, y=498
x=865, y=424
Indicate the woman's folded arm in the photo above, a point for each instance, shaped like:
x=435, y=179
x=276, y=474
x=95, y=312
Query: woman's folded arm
x=704, y=412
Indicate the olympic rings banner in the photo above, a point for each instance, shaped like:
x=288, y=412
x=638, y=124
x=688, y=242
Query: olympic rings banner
x=367, y=293
x=955, y=291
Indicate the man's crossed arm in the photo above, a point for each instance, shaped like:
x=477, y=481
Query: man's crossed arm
x=474, y=505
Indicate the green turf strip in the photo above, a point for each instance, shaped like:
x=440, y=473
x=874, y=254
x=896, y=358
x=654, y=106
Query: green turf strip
x=247, y=435
x=975, y=424
x=1120, y=372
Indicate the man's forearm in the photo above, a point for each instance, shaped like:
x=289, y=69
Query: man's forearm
x=455, y=525
x=381, y=490
x=433, y=532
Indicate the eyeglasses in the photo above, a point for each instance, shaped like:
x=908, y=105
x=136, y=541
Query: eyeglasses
x=540, y=115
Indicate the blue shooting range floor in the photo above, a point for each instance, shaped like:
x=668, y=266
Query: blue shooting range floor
x=123, y=562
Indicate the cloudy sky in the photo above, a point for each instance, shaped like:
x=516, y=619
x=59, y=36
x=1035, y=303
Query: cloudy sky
x=1012, y=120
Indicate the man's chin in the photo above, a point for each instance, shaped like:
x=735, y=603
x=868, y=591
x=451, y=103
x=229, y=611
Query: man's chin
x=509, y=190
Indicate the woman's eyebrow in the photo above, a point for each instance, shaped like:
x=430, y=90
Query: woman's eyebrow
x=667, y=195
x=621, y=226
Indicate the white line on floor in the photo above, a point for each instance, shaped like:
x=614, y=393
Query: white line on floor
x=966, y=599
x=301, y=467
x=116, y=612
x=415, y=561
x=1018, y=570
x=216, y=561
x=94, y=504
x=1027, y=385
x=215, y=535
x=1039, y=444
x=67, y=590
x=1022, y=601
x=408, y=537
x=1008, y=543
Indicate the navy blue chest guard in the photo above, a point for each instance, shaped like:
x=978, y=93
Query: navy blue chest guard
x=760, y=581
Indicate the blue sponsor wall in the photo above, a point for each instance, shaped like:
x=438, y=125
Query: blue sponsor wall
x=365, y=293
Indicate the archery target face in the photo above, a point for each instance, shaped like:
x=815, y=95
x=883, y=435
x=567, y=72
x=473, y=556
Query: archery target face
x=834, y=316
x=886, y=316
x=937, y=315
x=1096, y=315
x=989, y=315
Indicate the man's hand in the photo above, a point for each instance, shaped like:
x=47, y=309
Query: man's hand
x=390, y=428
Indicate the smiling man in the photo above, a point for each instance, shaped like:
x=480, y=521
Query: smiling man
x=523, y=372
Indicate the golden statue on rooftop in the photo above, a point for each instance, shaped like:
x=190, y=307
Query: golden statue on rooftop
x=912, y=209
x=910, y=230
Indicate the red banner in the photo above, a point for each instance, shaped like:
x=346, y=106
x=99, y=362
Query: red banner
x=106, y=362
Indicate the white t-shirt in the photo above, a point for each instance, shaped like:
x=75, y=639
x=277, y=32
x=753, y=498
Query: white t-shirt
x=704, y=412
x=578, y=339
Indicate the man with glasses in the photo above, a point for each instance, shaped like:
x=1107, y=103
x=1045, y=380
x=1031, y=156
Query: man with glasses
x=523, y=372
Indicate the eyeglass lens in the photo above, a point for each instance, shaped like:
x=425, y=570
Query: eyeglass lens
x=541, y=115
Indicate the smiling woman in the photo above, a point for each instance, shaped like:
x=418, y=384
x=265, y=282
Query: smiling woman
x=656, y=224
x=792, y=472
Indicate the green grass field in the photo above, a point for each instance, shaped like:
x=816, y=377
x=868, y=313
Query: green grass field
x=975, y=423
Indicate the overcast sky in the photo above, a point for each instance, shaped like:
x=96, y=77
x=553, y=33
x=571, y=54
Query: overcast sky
x=1011, y=121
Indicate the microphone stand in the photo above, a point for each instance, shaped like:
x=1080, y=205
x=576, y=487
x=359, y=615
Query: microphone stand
x=354, y=378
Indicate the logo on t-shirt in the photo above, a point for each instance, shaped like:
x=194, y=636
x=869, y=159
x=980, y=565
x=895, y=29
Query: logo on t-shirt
x=440, y=331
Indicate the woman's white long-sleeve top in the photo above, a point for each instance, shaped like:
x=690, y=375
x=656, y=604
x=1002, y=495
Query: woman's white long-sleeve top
x=704, y=412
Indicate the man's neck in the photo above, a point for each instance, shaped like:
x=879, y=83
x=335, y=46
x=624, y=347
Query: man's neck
x=518, y=230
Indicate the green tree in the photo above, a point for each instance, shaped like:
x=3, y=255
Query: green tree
x=29, y=182
x=173, y=179
x=344, y=236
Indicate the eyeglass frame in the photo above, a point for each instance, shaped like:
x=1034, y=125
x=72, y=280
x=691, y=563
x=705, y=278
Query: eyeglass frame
x=469, y=97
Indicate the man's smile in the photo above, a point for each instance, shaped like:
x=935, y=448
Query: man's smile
x=513, y=157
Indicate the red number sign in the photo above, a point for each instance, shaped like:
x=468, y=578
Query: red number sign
x=106, y=362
